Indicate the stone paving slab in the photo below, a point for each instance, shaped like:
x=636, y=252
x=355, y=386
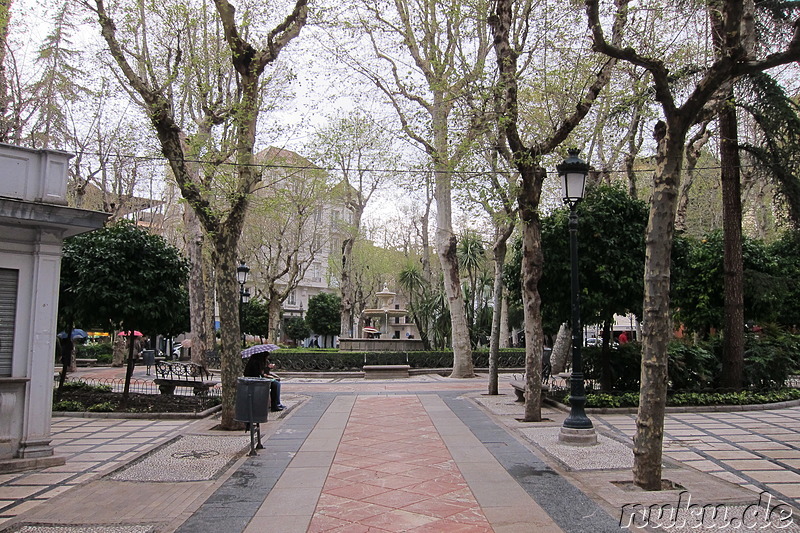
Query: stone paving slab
x=720, y=459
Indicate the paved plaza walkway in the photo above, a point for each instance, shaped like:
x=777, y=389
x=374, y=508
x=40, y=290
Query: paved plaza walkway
x=424, y=454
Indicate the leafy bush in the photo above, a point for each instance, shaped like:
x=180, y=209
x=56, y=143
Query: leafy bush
x=629, y=399
x=105, y=407
x=770, y=357
x=602, y=400
x=68, y=405
x=83, y=386
x=691, y=366
x=211, y=401
x=624, y=365
x=97, y=351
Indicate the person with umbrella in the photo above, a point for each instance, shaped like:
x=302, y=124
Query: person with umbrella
x=258, y=366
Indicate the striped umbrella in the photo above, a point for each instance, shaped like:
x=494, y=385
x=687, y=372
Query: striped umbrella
x=258, y=348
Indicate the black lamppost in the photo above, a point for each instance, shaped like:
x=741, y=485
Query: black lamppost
x=244, y=294
x=577, y=428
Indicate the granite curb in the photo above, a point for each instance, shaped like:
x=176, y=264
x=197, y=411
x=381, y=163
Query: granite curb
x=149, y=416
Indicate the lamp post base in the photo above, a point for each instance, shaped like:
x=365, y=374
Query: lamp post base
x=577, y=437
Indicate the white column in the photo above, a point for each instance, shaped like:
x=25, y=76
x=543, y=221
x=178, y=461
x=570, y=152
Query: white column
x=45, y=278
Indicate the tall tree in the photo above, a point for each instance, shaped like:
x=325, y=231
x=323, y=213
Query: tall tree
x=356, y=149
x=725, y=39
x=59, y=86
x=670, y=136
x=323, y=315
x=510, y=28
x=150, y=75
x=448, y=44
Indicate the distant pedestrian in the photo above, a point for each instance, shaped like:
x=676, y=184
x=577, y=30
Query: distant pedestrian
x=623, y=338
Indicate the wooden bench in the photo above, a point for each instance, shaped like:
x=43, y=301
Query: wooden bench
x=85, y=361
x=385, y=371
x=170, y=375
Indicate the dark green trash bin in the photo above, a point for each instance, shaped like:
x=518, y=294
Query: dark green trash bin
x=252, y=400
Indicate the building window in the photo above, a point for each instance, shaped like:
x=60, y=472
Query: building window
x=336, y=245
x=8, y=312
x=397, y=320
x=292, y=298
x=316, y=272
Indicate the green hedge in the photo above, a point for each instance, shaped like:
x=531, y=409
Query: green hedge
x=678, y=399
x=353, y=361
x=94, y=350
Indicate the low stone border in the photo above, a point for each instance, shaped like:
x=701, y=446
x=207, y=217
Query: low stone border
x=83, y=528
x=680, y=409
x=158, y=416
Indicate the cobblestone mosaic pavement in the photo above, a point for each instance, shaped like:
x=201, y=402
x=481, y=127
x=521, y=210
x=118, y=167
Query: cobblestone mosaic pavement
x=187, y=458
x=84, y=528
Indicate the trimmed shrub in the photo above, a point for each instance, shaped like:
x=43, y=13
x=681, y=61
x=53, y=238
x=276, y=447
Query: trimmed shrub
x=83, y=386
x=679, y=399
x=329, y=361
x=97, y=351
x=68, y=405
x=104, y=407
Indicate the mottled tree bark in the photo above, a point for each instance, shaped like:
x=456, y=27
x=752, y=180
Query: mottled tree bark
x=348, y=288
x=656, y=323
x=693, y=151
x=198, y=315
x=504, y=337
x=499, y=250
x=532, y=266
x=446, y=246
x=223, y=227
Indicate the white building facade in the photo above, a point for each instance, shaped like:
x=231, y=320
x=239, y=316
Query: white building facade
x=34, y=221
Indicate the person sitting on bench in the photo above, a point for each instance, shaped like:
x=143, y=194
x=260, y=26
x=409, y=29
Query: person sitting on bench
x=258, y=366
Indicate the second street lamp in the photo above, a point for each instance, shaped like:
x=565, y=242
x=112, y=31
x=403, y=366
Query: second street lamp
x=577, y=429
x=244, y=295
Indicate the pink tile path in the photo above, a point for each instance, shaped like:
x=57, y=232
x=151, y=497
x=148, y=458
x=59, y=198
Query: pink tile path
x=392, y=472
